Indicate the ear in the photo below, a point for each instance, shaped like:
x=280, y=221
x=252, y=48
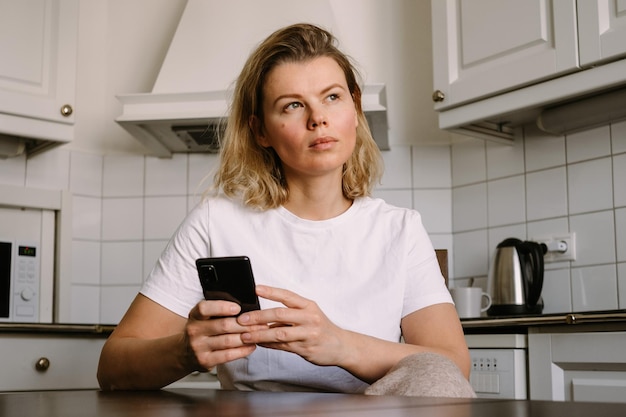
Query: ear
x=257, y=130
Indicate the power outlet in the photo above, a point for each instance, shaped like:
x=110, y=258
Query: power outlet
x=560, y=248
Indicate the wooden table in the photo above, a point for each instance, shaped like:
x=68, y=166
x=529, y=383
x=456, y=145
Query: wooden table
x=195, y=402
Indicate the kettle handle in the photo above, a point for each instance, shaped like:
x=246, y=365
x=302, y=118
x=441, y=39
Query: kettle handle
x=535, y=257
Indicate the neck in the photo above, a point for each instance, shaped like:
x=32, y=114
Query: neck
x=317, y=200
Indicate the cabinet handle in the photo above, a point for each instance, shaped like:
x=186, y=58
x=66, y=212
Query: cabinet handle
x=438, y=96
x=42, y=364
x=66, y=110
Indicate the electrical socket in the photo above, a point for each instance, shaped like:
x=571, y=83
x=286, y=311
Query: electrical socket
x=556, y=256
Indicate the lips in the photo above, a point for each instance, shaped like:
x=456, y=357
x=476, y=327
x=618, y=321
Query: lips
x=322, y=141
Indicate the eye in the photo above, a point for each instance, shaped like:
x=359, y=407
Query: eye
x=293, y=105
x=333, y=97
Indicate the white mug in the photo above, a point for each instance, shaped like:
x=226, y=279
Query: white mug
x=470, y=301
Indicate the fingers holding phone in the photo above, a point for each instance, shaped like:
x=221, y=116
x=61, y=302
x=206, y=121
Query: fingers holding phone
x=212, y=331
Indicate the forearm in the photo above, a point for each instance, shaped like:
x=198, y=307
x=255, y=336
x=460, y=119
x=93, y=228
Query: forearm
x=369, y=358
x=133, y=363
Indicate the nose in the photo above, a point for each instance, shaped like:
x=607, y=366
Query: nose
x=317, y=118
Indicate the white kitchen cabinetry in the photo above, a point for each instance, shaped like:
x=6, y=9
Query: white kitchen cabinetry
x=495, y=60
x=48, y=361
x=577, y=366
x=38, y=45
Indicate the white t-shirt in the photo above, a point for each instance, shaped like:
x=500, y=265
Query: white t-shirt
x=366, y=268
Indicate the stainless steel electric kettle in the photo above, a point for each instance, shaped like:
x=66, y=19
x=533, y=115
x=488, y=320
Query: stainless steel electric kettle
x=516, y=278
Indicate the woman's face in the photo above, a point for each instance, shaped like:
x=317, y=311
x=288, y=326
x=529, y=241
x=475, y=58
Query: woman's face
x=309, y=118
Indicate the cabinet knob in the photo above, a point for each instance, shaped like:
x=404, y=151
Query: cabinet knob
x=438, y=96
x=42, y=364
x=66, y=110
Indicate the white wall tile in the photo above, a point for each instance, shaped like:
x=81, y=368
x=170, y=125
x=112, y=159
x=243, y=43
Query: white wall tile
x=469, y=207
x=114, y=301
x=85, y=304
x=506, y=201
x=505, y=160
x=556, y=291
x=397, y=168
x=85, y=262
x=595, y=238
x=543, y=150
x=166, y=176
x=202, y=167
x=619, y=178
x=86, y=174
x=589, y=144
x=546, y=194
x=470, y=249
x=122, y=219
x=435, y=206
x=431, y=167
x=620, y=234
x=594, y=288
x=123, y=176
x=49, y=170
x=399, y=198
x=618, y=137
x=590, y=186
x=13, y=171
x=550, y=227
x=163, y=215
x=122, y=263
x=86, y=218
x=469, y=163
x=621, y=284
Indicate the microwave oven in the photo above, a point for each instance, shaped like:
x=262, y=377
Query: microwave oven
x=26, y=265
x=19, y=282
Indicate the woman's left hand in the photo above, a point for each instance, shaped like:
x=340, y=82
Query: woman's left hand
x=300, y=327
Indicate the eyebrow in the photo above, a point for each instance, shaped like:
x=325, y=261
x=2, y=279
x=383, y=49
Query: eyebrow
x=324, y=91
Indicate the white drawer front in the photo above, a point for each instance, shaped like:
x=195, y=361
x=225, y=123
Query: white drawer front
x=73, y=362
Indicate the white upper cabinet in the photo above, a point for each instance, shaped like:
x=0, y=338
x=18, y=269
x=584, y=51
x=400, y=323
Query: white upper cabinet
x=38, y=44
x=497, y=63
x=482, y=47
x=601, y=30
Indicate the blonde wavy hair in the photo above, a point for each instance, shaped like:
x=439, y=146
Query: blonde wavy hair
x=254, y=173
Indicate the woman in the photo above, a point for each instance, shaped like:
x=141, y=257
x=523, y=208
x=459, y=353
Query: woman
x=341, y=276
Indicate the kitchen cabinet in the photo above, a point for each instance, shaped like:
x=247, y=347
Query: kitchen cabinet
x=44, y=361
x=497, y=63
x=38, y=45
x=586, y=366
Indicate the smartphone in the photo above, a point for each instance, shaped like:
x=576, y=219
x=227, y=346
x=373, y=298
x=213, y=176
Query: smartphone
x=228, y=278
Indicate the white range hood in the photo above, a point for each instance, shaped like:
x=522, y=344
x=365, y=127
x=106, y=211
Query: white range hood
x=192, y=92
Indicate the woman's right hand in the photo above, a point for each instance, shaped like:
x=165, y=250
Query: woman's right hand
x=213, y=336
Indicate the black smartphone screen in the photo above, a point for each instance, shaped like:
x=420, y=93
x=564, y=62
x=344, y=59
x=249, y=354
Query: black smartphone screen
x=228, y=278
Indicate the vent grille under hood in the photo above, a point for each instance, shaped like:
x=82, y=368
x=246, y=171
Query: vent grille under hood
x=187, y=107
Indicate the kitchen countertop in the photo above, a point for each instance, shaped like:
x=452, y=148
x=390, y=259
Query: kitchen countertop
x=193, y=402
x=609, y=318
x=515, y=323
x=54, y=328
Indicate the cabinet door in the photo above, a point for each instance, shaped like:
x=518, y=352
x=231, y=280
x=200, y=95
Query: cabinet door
x=578, y=366
x=602, y=30
x=483, y=47
x=38, y=43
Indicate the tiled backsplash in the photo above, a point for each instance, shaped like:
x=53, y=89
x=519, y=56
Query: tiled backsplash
x=547, y=186
x=471, y=196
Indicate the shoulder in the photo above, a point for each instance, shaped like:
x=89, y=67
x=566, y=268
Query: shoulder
x=371, y=206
